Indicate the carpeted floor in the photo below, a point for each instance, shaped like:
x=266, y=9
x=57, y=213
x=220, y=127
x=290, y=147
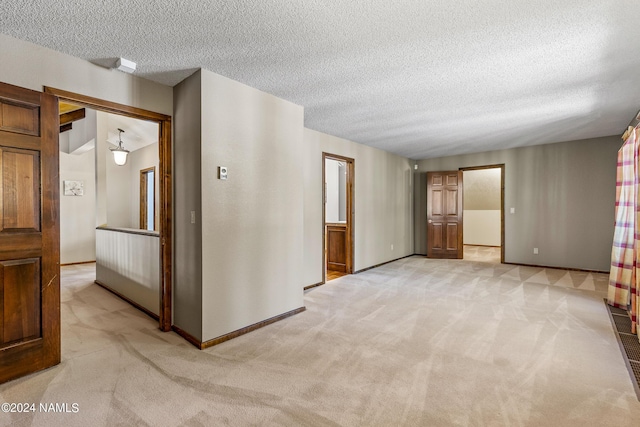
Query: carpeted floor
x=417, y=342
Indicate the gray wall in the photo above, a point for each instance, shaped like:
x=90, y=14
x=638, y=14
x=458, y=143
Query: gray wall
x=563, y=195
x=482, y=190
x=252, y=222
x=187, y=237
x=382, y=198
x=241, y=262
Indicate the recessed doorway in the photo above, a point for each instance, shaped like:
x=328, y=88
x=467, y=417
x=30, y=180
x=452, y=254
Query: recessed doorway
x=483, y=212
x=337, y=216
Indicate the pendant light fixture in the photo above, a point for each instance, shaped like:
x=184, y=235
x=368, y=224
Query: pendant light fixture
x=120, y=154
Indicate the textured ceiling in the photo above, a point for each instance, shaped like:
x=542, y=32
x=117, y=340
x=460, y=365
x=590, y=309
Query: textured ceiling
x=415, y=77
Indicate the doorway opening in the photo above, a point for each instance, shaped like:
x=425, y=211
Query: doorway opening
x=158, y=181
x=337, y=216
x=483, y=212
x=148, y=198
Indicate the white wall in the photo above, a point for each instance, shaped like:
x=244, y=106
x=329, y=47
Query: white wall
x=77, y=213
x=333, y=191
x=383, y=192
x=481, y=227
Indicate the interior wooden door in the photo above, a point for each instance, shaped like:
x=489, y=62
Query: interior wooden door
x=29, y=232
x=444, y=214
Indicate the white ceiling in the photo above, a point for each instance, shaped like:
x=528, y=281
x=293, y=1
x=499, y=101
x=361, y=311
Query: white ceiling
x=415, y=77
x=137, y=133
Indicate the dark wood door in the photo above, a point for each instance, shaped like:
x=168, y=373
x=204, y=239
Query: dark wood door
x=29, y=232
x=444, y=214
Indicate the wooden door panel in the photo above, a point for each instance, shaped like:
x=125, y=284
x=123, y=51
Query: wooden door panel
x=20, y=195
x=438, y=232
x=437, y=203
x=452, y=202
x=20, y=300
x=337, y=248
x=452, y=236
x=29, y=232
x=19, y=117
x=444, y=214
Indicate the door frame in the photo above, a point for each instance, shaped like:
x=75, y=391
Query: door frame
x=165, y=178
x=500, y=166
x=350, y=181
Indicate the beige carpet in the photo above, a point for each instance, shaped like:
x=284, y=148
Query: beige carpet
x=417, y=342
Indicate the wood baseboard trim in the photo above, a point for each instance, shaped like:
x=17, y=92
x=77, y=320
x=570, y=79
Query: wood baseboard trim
x=306, y=288
x=210, y=343
x=78, y=263
x=133, y=303
x=557, y=268
x=250, y=328
x=187, y=336
x=381, y=264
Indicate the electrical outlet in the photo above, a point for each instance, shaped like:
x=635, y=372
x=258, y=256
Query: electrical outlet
x=193, y=217
x=392, y=247
x=535, y=251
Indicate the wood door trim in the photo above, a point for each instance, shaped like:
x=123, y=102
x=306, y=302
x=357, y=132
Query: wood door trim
x=143, y=197
x=350, y=212
x=107, y=106
x=166, y=178
x=500, y=166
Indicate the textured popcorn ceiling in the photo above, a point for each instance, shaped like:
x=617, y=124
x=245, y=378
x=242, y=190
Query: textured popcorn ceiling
x=415, y=77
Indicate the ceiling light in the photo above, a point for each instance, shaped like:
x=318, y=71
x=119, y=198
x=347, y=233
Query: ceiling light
x=119, y=153
x=125, y=65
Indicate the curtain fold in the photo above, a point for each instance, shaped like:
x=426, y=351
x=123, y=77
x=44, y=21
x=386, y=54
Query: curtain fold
x=624, y=285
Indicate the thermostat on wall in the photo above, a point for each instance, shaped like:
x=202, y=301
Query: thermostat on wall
x=222, y=172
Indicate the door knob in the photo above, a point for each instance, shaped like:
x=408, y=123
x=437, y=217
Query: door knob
x=429, y=221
